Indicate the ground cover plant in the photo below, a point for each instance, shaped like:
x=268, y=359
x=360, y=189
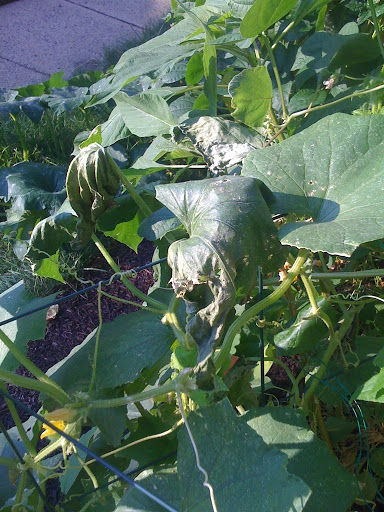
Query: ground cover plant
x=258, y=175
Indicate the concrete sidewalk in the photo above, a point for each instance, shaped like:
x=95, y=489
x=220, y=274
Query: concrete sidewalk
x=40, y=37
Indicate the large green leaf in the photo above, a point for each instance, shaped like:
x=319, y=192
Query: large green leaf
x=263, y=14
x=122, y=222
x=31, y=107
x=231, y=233
x=251, y=92
x=333, y=173
x=339, y=381
x=304, y=7
x=162, y=51
x=372, y=389
x=32, y=186
x=163, y=484
x=223, y=143
x=323, y=50
x=17, y=300
x=239, y=8
x=113, y=130
x=242, y=470
x=240, y=465
x=195, y=69
x=127, y=345
x=287, y=430
x=66, y=99
x=145, y=114
x=306, y=333
x=158, y=224
x=50, y=233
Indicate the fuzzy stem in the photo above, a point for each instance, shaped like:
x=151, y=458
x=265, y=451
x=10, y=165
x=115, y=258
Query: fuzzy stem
x=96, y=352
x=25, y=382
x=321, y=107
x=360, y=274
x=221, y=358
x=153, y=302
x=283, y=33
x=144, y=208
x=276, y=73
x=170, y=318
x=312, y=294
x=20, y=492
x=47, y=450
x=125, y=400
x=278, y=133
x=333, y=345
x=56, y=390
x=376, y=25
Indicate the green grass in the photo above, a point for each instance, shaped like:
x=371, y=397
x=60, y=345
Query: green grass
x=51, y=140
x=12, y=270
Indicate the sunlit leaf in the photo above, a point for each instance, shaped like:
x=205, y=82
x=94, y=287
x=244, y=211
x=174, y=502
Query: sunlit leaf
x=333, y=173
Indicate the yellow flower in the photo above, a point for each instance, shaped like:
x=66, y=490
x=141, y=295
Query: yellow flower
x=48, y=431
x=63, y=414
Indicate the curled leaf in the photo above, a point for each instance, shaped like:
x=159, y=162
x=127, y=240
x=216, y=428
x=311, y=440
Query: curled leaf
x=91, y=187
x=231, y=234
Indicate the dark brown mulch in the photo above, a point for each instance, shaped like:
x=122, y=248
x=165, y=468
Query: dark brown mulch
x=79, y=316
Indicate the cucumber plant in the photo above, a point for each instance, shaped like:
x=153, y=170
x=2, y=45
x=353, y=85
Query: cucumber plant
x=262, y=184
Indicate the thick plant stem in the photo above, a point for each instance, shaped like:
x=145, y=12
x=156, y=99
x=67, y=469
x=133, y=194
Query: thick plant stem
x=322, y=428
x=283, y=33
x=376, y=25
x=52, y=447
x=359, y=274
x=96, y=352
x=36, y=372
x=169, y=387
x=24, y=382
x=20, y=491
x=312, y=293
x=272, y=115
x=144, y=208
x=183, y=381
x=170, y=318
x=321, y=107
x=152, y=302
x=333, y=345
x=221, y=358
x=18, y=423
x=276, y=73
